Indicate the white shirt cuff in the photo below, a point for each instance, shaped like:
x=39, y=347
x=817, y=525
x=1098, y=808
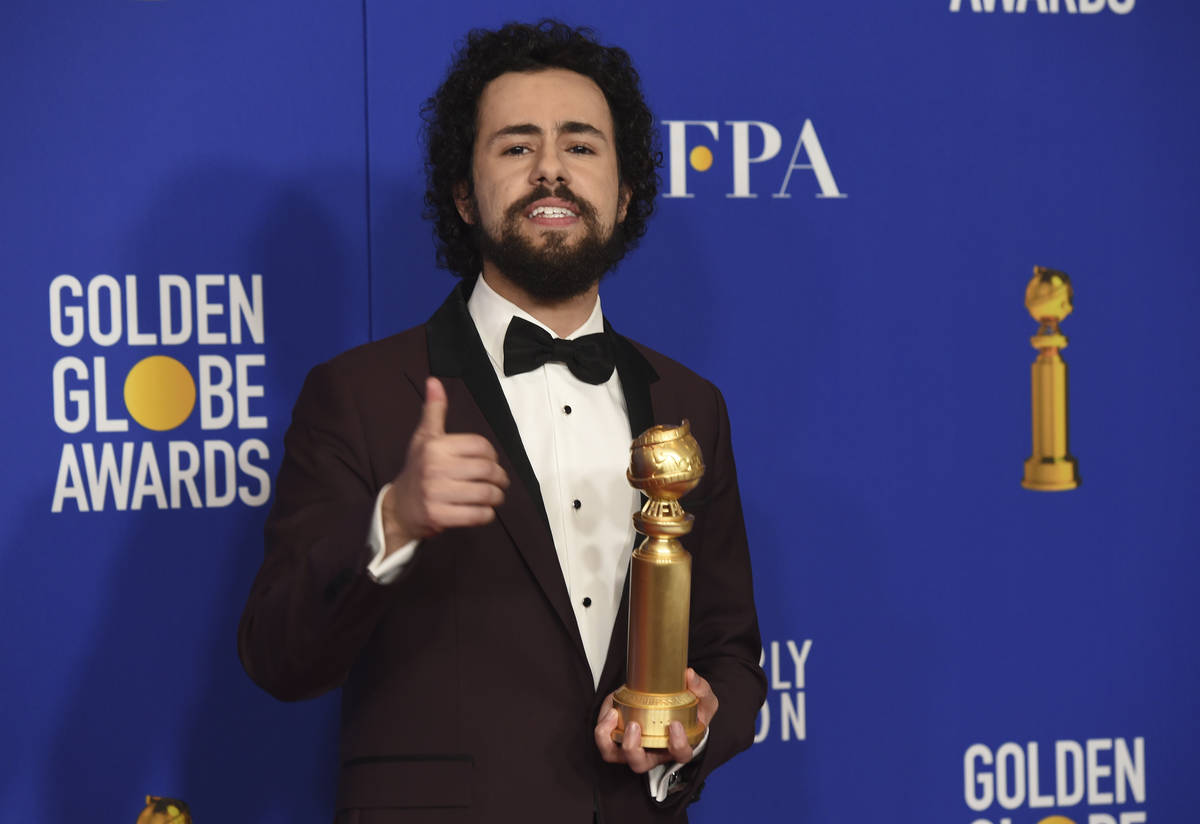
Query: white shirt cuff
x=662, y=776
x=385, y=568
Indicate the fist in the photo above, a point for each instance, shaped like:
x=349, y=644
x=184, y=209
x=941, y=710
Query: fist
x=448, y=480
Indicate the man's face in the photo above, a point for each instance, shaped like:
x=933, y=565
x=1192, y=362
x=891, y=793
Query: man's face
x=547, y=195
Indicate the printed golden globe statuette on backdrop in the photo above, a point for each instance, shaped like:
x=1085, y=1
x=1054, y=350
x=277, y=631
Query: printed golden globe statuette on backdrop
x=161, y=810
x=665, y=464
x=1051, y=468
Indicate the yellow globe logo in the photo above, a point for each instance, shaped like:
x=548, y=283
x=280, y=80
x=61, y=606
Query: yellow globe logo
x=701, y=158
x=1056, y=819
x=159, y=393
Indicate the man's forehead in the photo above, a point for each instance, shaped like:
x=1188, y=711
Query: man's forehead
x=548, y=99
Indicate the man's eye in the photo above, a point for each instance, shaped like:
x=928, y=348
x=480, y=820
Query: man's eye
x=581, y=149
x=516, y=150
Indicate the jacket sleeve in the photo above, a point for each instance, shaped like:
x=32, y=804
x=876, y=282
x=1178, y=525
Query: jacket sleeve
x=313, y=606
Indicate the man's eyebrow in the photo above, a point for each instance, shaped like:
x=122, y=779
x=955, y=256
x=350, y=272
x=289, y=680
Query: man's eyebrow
x=579, y=127
x=515, y=129
x=565, y=127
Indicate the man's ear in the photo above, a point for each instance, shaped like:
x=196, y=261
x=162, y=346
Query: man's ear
x=463, y=202
x=625, y=195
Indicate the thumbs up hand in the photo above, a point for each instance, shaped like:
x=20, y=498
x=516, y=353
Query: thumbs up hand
x=448, y=480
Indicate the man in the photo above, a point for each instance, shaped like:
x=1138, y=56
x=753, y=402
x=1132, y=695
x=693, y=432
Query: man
x=478, y=631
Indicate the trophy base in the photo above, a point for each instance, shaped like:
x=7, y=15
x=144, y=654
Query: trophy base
x=654, y=713
x=1051, y=474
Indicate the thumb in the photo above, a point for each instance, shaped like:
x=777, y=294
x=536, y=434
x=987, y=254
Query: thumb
x=433, y=414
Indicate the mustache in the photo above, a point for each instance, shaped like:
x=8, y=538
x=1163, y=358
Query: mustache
x=563, y=192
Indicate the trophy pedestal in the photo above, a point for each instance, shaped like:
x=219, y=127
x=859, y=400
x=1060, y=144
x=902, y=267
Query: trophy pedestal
x=654, y=713
x=1051, y=474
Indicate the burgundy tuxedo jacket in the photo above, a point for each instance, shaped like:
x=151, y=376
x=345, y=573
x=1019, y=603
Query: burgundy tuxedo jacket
x=466, y=692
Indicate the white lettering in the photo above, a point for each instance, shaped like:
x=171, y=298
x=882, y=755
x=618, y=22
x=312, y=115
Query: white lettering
x=1097, y=771
x=101, y=476
x=69, y=483
x=1131, y=771
x=213, y=497
x=978, y=786
x=100, y=394
x=183, y=476
x=256, y=472
x=206, y=309
x=1048, y=6
x=678, y=153
x=243, y=310
x=148, y=480
x=777, y=683
x=799, y=658
x=64, y=420
x=1010, y=752
x=1063, y=750
x=135, y=338
x=109, y=284
x=816, y=162
x=1036, y=799
x=166, y=285
x=58, y=312
x=791, y=716
x=772, y=142
x=109, y=476
x=211, y=391
x=247, y=390
x=1134, y=817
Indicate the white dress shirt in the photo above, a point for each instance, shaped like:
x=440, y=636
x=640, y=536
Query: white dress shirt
x=577, y=438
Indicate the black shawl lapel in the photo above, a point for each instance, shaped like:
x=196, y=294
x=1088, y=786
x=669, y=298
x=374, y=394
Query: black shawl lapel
x=636, y=375
x=455, y=351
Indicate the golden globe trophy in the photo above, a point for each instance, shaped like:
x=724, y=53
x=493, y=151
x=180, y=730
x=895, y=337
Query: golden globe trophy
x=1051, y=468
x=665, y=464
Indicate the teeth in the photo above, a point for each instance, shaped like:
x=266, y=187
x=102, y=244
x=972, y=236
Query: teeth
x=551, y=211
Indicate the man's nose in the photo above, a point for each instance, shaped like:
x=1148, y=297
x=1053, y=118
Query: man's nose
x=550, y=168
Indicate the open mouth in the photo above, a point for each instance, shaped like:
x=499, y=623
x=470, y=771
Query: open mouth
x=553, y=213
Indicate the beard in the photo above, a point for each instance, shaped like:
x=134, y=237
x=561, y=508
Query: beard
x=553, y=270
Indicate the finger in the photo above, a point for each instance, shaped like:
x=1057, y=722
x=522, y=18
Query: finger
x=607, y=709
x=466, y=445
x=476, y=469
x=703, y=691
x=638, y=759
x=448, y=516
x=433, y=413
x=604, y=730
x=464, y=493
x=631, y=747
x=677, y=744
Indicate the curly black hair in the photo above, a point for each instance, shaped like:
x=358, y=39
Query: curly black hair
x=450, y=123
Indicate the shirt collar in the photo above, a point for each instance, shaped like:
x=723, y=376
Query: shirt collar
x=492, y=313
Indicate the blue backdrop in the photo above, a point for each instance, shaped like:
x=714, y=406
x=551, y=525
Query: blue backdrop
x=854, y=196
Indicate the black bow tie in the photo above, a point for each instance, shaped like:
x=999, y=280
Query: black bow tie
x=528, y=346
